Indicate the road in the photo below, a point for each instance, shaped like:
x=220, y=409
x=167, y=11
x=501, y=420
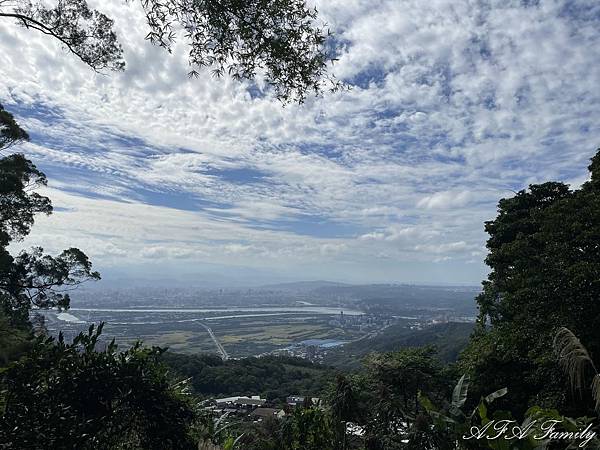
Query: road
x=220, y=348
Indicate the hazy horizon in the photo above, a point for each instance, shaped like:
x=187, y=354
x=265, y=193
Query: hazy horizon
x=116, y=278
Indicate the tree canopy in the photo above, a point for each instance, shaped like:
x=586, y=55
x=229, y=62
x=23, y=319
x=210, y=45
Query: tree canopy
x=280, y=42
x=73, y=395
x=544, y=255
x=10, y=131
x=31, y=278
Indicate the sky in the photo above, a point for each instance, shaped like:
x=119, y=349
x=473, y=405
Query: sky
x=454, y=105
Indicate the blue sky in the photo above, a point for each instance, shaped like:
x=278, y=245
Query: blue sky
x=454, y=105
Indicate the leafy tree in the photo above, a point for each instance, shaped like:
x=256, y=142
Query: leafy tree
x=385, y=394
x=10, y=131
x=84, y=32
x=31, y=278
x=343, y=409
x=276, y=40
x=271, y=376
x=18, y=179
x=263, y=435
x=455, y=426
x=307, y=429
x=13, y=342
x=67, y=396
x=545, y=273
x=400, y=376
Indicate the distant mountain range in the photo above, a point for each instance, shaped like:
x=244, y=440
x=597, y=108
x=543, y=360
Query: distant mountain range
x=214, y=276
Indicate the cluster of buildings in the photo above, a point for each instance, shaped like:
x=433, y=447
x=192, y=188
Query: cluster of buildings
x=362, y=322
x=315, y=350
x=255, y=408
x=312, y=349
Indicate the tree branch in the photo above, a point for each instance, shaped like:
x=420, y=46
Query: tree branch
x=29, y=22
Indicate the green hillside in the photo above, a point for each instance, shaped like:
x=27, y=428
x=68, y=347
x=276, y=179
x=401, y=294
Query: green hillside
x=448, y=338
x=272, y=377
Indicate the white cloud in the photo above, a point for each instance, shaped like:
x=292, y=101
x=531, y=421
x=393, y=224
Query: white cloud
x=455, y=104
x=446, y=200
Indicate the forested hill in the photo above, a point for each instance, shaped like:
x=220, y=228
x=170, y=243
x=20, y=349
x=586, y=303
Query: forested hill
x=448, y=338
x=273, y=377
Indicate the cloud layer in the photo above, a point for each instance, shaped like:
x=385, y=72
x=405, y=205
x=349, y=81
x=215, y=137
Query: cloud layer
x=453, y=105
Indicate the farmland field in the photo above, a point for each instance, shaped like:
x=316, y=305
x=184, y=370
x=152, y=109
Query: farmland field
x=242, y=333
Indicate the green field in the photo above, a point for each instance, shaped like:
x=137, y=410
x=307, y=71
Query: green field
x=239, y=336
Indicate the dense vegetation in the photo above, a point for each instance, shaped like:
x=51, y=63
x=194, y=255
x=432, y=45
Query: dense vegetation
x=272, y=377
x=544, y=252
x=74, y=396
x=448, y=339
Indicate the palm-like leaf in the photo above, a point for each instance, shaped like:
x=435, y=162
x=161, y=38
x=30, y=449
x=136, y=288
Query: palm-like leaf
x=459, y=395
x=596, y=391
x=574, y=357
x=494, y=395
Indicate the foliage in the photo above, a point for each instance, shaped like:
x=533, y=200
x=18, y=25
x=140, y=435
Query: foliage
x=10, y=131
x=384, y=395
x=216, y=432
x=277, y=38
x=575, y=358
x=545, y=273
x=450, y=423
x=382, y=400
x=273, y=377
x=453, y=428
x=308, y=429
x=343, y=409
x=449, y=339
x=14, y=342
x=18, y=203
x=31, y=279
x=84, y=32
x=67, y=396
x=277, y=41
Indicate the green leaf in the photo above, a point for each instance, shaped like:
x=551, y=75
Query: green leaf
x=459, y=395
x=426, y=403
x=494, y=395
x=482, y=409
